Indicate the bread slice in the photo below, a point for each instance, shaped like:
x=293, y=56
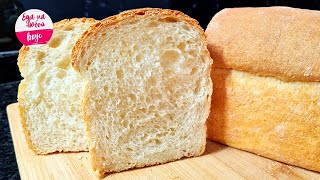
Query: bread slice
x=148, y=89
x=50, y=94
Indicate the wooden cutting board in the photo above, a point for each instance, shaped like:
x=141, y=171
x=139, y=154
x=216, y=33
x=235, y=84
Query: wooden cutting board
x=218, y=162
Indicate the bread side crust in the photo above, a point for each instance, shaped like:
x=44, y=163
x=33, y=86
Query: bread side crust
x=21, y=64
x=21, y=90
x=85, y=39
x=266, y=116
x=280, y=42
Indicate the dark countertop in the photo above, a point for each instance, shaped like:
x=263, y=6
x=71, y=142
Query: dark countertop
x=8, y=163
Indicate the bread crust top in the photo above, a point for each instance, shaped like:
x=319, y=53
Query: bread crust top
x=112, y=20
x=57, y=25
x=280, y=42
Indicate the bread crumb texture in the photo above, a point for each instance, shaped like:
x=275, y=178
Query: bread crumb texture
x=149, y=88
x=50, y=94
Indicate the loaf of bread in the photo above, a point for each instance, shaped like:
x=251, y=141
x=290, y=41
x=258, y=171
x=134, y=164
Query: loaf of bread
x=148, y=89
x=50, y=94
x=266, y=85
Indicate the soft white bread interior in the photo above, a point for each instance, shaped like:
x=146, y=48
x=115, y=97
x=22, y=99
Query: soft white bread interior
x=50, y=94
x=148, y=88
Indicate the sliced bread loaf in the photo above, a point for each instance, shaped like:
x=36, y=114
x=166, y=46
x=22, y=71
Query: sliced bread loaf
x=148, y=89
x=50, y=94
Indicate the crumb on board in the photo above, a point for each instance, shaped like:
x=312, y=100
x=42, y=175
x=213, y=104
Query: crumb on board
x=174, y=177
x=80, y=157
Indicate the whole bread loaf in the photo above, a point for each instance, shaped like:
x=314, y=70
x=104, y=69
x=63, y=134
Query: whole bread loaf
x=266, y=85
x=50, y=94
x=148, y=89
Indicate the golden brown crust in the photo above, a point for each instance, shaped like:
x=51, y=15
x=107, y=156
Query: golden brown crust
x=21, y=60
x=280, y=42
x=68, y=22
x=269, y=117
x=84, y=103
x=23, y=117
x=22, y=54
x=105, y=23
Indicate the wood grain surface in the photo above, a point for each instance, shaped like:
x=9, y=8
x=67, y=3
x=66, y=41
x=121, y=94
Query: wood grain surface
x=218, y=162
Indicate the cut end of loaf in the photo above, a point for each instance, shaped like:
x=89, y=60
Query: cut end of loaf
x=50, y=94
x=149, y=88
